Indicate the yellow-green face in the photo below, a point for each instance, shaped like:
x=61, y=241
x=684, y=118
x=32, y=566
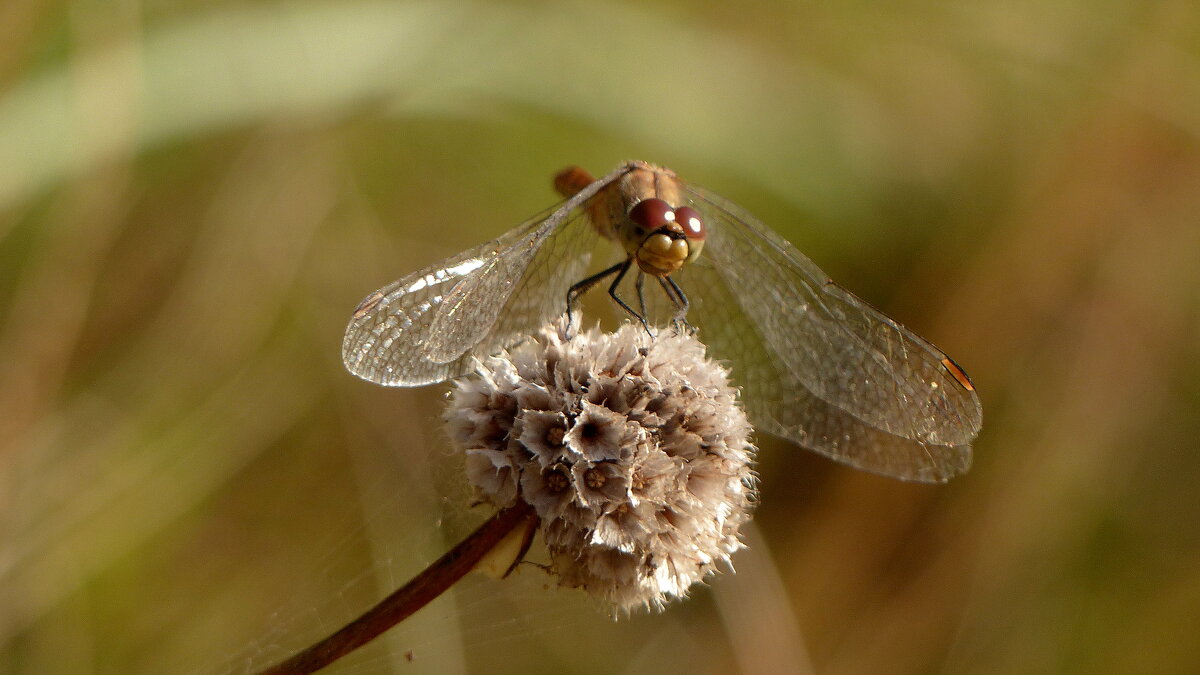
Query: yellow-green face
x=659, y=237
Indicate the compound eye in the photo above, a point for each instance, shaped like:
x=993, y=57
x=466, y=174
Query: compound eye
x=693, y=225
x=652, y=214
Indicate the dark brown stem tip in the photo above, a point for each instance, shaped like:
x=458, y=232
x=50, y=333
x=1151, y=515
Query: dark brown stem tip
x=406, y=600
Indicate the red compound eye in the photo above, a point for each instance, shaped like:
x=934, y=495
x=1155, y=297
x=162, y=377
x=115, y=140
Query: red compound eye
x=693, y=225
x=652, y=213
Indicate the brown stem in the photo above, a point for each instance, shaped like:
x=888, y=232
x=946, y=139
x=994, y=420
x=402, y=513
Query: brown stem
x=414, y=595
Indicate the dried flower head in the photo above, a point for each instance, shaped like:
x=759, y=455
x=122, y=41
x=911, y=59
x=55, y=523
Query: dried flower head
x=632, y=450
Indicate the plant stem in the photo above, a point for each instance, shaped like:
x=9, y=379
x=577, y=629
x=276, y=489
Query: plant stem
x=406, y=600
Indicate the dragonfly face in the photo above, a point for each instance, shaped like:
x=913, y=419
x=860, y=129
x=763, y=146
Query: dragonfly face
x=655, y=235
x=816, y=364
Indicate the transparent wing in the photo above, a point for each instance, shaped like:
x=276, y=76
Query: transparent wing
x=816, y=364
x=428, y=326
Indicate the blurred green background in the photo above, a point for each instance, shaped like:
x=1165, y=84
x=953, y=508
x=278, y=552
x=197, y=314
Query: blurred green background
x=194, y=196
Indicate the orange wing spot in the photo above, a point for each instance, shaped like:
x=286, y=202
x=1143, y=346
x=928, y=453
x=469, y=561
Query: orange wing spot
x=571, y=180
x=367, y=304
x=959, y=374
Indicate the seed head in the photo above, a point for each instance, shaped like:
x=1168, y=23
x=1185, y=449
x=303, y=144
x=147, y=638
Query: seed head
x=632, y=450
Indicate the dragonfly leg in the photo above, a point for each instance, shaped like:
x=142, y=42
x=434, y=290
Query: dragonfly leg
x=641, y=278
x=679, y=299
x=581, y=287
x=612, y=293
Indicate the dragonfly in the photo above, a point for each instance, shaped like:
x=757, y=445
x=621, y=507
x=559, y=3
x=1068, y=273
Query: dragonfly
x=816, y=365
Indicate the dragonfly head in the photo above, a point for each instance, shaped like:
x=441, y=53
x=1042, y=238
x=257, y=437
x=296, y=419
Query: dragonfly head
x=662, y=238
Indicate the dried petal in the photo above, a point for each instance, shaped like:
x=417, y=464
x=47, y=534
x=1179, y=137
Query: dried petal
x=600, y=484
x=495, y=474
x=550, y=491
x=597, y=433
x=544, y=435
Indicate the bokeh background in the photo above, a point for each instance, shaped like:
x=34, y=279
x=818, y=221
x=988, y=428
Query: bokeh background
x=194, y=196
